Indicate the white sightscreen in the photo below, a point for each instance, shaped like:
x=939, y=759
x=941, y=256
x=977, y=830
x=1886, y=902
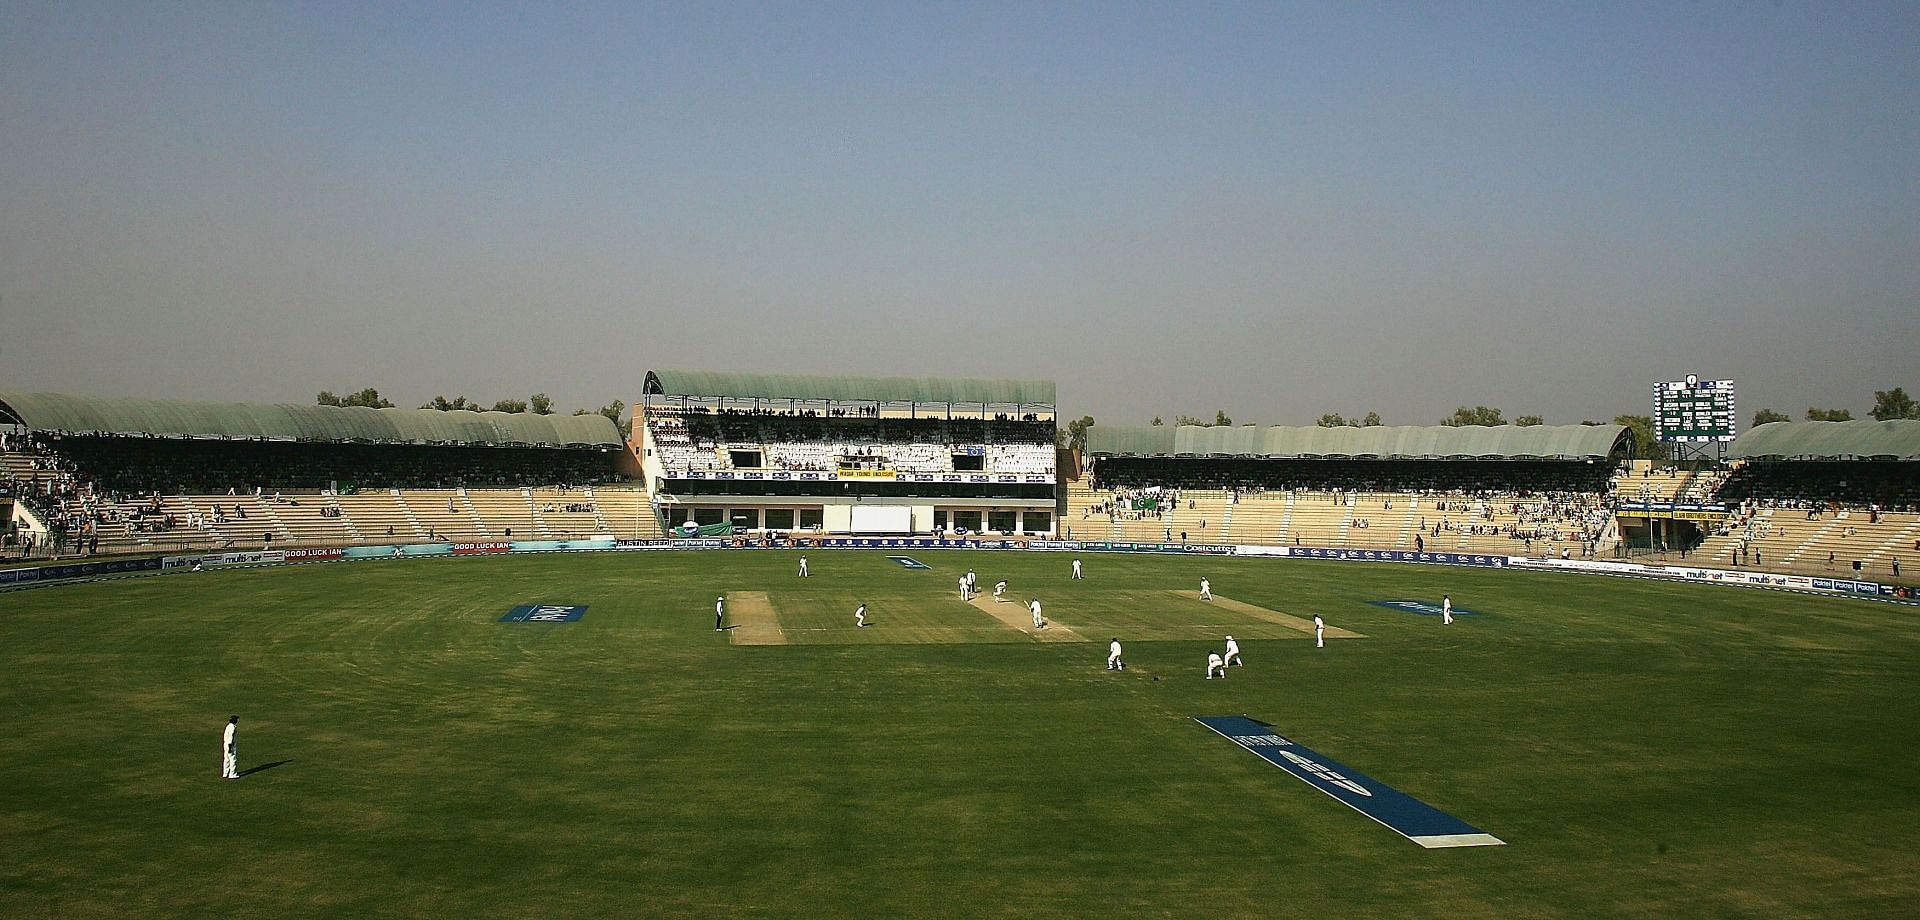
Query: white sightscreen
x=882, y=518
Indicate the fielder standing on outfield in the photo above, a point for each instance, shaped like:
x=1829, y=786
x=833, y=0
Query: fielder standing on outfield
x=1113, y=656
x=1214, y=664
x=1076, y=569
x=860, y=616
x=1446, y=610
x=1039, y=622
x=1206, y=590
x=719, y=611
x=230, y=750
x=1319, y=632
x=803, y=567
x=1233, y=654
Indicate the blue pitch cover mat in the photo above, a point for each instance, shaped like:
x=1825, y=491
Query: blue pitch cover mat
x=544, y=613
x=1422, y=608
x=910, y=562
x=1411, y=818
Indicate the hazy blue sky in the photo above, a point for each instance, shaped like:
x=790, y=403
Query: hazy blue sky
x=1277, y=209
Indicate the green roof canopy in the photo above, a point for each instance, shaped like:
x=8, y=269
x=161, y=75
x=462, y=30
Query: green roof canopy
x=1897, y=439
x=881, y=389
x=59, y=412
x=1405, y=442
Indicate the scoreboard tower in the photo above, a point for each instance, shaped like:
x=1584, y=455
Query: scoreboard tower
x=1695, y=416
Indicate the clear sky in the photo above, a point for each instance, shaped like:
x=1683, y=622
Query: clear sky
x=1275, y=209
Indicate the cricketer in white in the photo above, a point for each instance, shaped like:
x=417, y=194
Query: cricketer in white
x=230, y=750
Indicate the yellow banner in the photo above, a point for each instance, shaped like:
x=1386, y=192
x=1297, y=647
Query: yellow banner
x=1682, y=514
x=846, y=473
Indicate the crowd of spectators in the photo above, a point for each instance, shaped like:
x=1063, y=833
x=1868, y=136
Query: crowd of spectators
x=172, y=466
x=1134, y=504
x=1825, y=485
x=741, y=427
x=1526, y=502
x=706, y=442
x=1458, y=477
x=85, y=489
x=1585, y=518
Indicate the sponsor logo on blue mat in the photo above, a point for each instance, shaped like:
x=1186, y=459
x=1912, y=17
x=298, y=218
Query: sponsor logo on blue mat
x=1395, y=555
x=908, y=562
x=1411, y=818
x=1422, y=608
x=544, y=613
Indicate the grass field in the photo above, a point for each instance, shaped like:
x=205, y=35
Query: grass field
x=1643, y=748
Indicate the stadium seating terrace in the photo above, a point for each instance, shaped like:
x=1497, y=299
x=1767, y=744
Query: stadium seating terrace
x=949, y=453
x=1823, y=497
x=1467, y=489
x=131, y=473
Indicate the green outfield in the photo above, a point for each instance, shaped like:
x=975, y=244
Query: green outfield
x=1643, y=748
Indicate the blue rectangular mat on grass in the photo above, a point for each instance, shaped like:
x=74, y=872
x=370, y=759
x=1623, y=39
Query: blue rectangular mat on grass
x=545, y=613
x=1411, y=818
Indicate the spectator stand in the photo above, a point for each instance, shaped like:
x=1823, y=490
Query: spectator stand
x=122, y=475
x=1818, y=497
x=1538, y=489
x=841, y=455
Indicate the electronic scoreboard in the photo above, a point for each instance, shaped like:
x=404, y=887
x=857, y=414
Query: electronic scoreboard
x=1694, y=412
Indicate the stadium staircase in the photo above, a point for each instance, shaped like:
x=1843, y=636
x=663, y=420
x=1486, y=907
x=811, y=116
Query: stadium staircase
x=1685, y=486
x=533, y=513
x=447, y=513
x=466, y=500
x=261, y=519
x=385, y=513
x=353, y=530
x=306, y=521
x=1200, y=514
x=114, y=535
x=1259, y=517
x=1408, y=524
x=19, y=466
x=628, y=513
x=1659, y=486
x=1780, y=539
x=570, y=525
x=280, y=531
x=1890, y=547
x=1317, y=519
x=599, y=520
x=1836, y=525
x=502, y=513
x=1787, y=541
x=179, y=506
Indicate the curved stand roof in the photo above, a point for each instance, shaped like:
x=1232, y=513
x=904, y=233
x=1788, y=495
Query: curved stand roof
x=849, y=389
x=1895, y=439
x=1382, y=442
x=137, y=416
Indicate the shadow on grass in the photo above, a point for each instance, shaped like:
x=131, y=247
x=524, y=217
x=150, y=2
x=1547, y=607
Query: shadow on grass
x=264, y=767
